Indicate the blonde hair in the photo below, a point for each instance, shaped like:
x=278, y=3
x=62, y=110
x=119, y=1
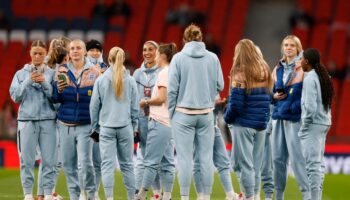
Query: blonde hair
x=297, y=42
x=250, y=65
x=53, y=54
x=81, y=42
x=116, y=57
x=192, y=33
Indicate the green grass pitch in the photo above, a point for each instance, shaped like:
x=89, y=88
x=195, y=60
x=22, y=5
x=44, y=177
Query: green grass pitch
x=336, y=187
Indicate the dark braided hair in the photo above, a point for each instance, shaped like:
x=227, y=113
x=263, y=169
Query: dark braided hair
x=327, y=91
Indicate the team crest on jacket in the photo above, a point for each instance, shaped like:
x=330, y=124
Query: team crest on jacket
x=91, y=77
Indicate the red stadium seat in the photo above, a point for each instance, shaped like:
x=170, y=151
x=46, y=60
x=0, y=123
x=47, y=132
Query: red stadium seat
x=155, y=30
x=319, y=38
x=306, y=5
x=324, y=10
x=112, y=39
x=343, y=125
x=335, y=106
x=303, y=35
x=216, y=20
x=337, y=50
x=201, y=5
x=174, y=34
x=342, y=13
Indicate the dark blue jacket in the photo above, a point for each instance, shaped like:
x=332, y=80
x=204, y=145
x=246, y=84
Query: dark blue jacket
x=75, y=99
x=290, y=107
x=248, y=110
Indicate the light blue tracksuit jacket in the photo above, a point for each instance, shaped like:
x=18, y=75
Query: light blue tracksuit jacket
x=315, y=123
x=36, y=126
x=195, y=77
x=144, y=77
x=115, y=120
x=34, y=98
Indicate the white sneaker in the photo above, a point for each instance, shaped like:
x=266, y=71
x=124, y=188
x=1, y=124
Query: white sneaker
x=82, y=196
x=48, y=197
x=200, y=196
x=206, y=197
x=96, y=196
x=166, y=196
x=156, y=197
x=28, y=197
x=137, y=197
x=236, y=196
x=257, y=196
x=56, y=196
x=268, y=198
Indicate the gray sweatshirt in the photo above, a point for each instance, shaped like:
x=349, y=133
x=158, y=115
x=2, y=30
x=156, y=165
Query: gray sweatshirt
x=312, y=111
x=195, y=77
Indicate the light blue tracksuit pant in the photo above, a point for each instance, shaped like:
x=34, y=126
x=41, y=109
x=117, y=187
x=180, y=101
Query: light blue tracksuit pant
x=113, y=142
x=57, y=168
x=286, y=144
x=194, y=133
x=313, y=139
x=139, y=167
x=221, y=162
x=76, y=146
x=31, y=134
x=141, y=151
x=266, y=168
x=96, y=159
x=247, y=155
x=159, y=155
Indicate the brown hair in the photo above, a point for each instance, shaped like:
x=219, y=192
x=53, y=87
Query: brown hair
x=38, y=43
x=53, y=54
x=192, y=33
x=65, y=41
x=58, y=54
x=168, y=49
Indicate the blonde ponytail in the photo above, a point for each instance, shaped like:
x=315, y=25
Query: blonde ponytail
x=116, y=58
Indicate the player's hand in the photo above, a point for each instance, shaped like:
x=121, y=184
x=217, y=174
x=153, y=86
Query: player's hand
x=279, y=96
x=61, y=85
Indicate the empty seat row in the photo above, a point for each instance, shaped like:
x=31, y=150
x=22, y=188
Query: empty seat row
x=117, y=23
x=28, y=36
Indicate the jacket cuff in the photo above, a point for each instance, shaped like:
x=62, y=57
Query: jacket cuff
x=135, y=127
x=45, y=85
x=28, y=82
x=97, y=130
